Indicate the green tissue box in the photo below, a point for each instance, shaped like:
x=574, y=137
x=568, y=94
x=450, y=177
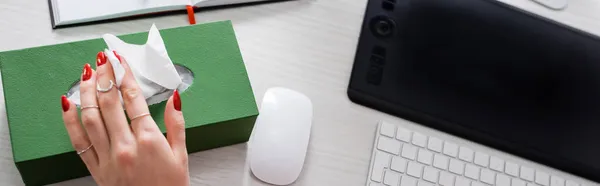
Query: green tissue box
x=219, y=106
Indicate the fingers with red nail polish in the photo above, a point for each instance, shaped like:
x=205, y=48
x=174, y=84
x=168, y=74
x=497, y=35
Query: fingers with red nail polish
x=87, y=72
x=65, y=103
x=175, y=125
x=100, y=59
x=118, y=56
x=111, y=145
x=176, y=101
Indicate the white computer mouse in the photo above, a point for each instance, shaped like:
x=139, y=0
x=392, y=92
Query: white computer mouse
x=279, y=141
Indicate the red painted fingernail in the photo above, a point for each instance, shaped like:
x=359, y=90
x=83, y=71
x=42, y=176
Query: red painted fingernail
x=65, y=103
x=87, y=72
x=176, y=101
x=118, y=56
x=100, y=59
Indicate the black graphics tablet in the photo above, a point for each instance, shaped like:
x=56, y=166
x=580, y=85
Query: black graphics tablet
x=487, y=72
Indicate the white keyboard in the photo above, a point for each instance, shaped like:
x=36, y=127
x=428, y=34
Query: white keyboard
x=405, y=158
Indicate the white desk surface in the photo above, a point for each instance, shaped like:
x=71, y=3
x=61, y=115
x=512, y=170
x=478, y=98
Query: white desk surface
x=306, y=45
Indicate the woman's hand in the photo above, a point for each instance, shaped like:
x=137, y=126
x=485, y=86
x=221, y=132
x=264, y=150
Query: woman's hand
x=116, y=152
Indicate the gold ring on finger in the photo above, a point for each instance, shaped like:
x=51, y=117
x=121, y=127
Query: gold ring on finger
x=100, y=89
x=79, y=152
x=139, y=116
x=89, y=106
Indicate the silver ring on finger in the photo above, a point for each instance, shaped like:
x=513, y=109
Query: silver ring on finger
x=79, y=152
x=139, y=116
x=89, y=106
x=100, y=89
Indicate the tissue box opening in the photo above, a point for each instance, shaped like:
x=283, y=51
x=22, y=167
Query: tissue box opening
x=187, y=79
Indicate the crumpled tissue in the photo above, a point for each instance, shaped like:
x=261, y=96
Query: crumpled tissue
x=150, y=63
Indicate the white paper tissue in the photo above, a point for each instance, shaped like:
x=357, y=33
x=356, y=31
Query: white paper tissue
x=151, y=66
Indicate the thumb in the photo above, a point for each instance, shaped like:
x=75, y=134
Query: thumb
x=175, y=124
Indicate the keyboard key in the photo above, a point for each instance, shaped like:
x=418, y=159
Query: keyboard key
x=435, y=144
x=389, y=145
x=414, y=169
x=488, y=176
x=526, y=173
x=423, y=183
x=375, y=184
x=419, y=139
x=381, y=160
x=557, y=181
x=446, y=179
x=456, y=166
x=430, y=174
x=387, y=129
x=517, y=182
x=409, y=151
x=398, y=164
x=496, y=164
x=425, y=157
x=391, y=178
x=403, y=134
x=460, y=181
x=465, y=154
x=472, y=171
x=531, y=184
x=571, y=183
x=482, y=159
x=450, y=149
x=502, y=180
x=512, y=169
x=542, y=178
x=477, y=184
x=408, y=181
x=440, y=161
